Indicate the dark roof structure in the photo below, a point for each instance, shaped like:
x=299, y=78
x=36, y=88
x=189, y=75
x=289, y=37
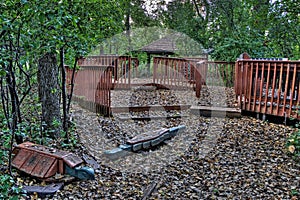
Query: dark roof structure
x=165, y=46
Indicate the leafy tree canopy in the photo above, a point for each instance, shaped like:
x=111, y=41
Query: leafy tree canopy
x=262, y=28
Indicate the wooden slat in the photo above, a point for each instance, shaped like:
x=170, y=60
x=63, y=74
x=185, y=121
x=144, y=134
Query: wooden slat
x=292, y=89
x=72, y=160
x=267, y=88
x=279, y=89
x=250, y=88
x=31, y=162
x=21, y=158
x=298, y=98
x=255, y=87
x=261, y=87
x=238, y=83
x=286, y=89
x=53, y=169
x=273, y=87
x=42, y=169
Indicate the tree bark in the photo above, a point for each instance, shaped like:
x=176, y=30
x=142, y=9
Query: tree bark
x=48, y=76
x=64, y=93
x=127, y=26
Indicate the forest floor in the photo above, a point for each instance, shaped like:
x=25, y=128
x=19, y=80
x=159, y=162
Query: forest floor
x=214, y=158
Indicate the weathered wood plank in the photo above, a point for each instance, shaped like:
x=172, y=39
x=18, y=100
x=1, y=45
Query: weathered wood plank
x=215, y=111
x=147, y=108
x=148, y=118
x=42, y=191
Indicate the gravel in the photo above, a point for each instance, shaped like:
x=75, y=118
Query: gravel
x=210, y=96
x=214, y=158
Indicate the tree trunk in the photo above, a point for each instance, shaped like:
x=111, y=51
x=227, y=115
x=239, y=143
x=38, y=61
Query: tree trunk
x=64, y=94
x=127, y=27
x=48, y=73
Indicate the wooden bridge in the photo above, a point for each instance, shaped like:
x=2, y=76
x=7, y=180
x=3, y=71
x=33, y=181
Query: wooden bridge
x=261, y=86
x=268, y=87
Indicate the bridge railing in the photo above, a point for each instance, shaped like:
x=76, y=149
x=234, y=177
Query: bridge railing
x=219, y=73
x=268, y=86
x=186, y=72
x=176, y=73
x=124, y=67
x=92, y=88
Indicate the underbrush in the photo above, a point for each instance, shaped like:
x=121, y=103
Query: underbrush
x=31, y=129
x=293, y=143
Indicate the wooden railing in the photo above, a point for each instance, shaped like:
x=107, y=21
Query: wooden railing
x=124, y=67
x=268, y=87
x=92, y=88
x=102, y=60
x=186, y=72
x=219, y=73
x=176, y=73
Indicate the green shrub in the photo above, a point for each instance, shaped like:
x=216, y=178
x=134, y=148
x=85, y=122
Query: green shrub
x=8, y=190
x=293, y=143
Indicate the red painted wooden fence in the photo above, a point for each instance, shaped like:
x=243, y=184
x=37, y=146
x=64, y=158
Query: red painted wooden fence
x=92, y=88
x=187, y=72
x=124, y=67
x=219, y=73
x=177, y=73
x=94, y=81
x=268, y=87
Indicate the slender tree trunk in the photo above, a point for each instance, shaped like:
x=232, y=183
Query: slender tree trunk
x=72, y=85
x=64, y=94
x=197, y=8
x=101, y=49
x=48, y=73
x=127, y=26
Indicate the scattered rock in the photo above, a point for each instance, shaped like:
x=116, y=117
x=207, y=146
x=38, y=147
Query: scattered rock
x=214, y=158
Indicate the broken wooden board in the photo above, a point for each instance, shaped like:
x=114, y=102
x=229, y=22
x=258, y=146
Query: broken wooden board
x=210, y=111
x=41, y=161
x=150, y=135
x=149, y=190
x=91, y=161
x=149, y=118
x=123, y=109
x=43, y=191
x=143, y=141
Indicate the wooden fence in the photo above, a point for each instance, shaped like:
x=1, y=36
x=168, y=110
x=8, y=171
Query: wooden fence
x=92, y=88
x=124, y=67
x=192, y=72
x=261, y=86
x=177, y=73
x=94, y=80
x=268, y=87
x=218, y=73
